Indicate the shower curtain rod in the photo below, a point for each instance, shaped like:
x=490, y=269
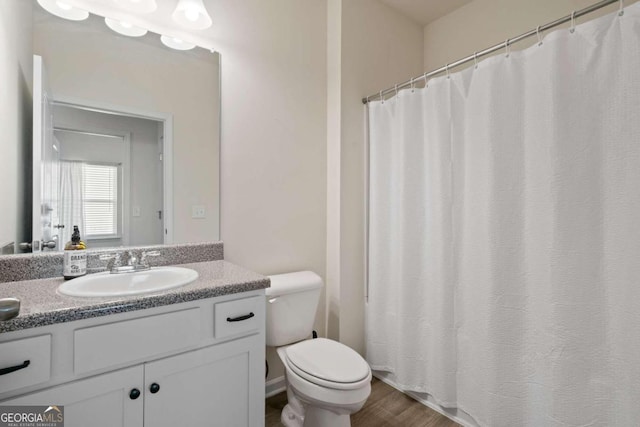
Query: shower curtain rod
x=503, y=45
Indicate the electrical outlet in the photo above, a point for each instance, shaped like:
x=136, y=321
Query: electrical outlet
x=198, y=211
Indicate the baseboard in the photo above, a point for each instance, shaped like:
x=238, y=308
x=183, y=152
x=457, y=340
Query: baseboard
x=458, y=416
x=275, y=386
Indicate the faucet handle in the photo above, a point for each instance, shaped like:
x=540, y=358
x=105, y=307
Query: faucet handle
x=132, y=258
x=114, y=259
x=143, y=258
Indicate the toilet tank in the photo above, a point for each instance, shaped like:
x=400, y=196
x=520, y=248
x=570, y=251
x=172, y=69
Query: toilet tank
x=292, y=302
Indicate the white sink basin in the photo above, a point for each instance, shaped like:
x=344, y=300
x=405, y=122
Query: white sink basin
x=142, y=282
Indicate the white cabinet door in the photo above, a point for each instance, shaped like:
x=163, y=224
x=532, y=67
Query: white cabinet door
x=221, y=385
x=100, y=401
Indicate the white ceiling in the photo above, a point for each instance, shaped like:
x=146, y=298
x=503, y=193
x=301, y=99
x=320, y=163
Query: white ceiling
x=425, y=11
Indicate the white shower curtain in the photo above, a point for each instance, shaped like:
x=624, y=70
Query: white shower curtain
x=71, y=199
x=504, y=244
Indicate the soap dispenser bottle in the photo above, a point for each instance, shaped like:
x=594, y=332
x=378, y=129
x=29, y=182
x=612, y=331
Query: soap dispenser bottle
x=75, y=256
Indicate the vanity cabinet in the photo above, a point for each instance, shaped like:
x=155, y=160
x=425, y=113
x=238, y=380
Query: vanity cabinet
x=207, y=387
x=100, y=401
x=193, y=364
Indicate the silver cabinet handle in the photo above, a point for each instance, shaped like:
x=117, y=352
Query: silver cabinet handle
x=25, y=246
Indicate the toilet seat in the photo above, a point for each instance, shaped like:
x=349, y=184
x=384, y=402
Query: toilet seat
x=329, y=364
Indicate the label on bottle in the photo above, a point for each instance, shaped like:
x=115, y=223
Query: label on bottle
x=75, y=263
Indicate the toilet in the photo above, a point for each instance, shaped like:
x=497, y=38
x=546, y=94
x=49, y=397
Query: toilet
x=326, y=380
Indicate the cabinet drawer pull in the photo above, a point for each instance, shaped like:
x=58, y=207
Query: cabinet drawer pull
x=154, y=388
x=240, y=318
x=5, y=371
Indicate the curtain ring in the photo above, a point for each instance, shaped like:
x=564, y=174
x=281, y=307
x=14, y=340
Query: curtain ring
x=381, y=97
x=424, y=76
x=507, y=48
x=475, y=60
x=538, y=34
x=412, y=88
x=396, y=88
x=621, y=12
x=573, y=22
x=447, y=69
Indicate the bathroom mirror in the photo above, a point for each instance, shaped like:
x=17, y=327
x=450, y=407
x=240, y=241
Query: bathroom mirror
x=119, y=135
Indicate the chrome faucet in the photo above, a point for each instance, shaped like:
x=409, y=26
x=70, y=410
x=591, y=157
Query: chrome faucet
x=133, y=262
x=114, y=261
x=132, y=259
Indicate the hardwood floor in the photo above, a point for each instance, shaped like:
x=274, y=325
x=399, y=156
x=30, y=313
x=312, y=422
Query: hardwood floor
x=386, y=407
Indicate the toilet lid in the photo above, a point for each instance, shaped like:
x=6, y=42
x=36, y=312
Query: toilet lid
x=328, y=360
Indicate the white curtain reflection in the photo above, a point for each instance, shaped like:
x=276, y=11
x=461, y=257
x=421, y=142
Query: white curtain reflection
x=71, y=209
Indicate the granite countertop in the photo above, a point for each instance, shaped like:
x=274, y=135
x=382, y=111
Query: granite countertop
x=42, y=305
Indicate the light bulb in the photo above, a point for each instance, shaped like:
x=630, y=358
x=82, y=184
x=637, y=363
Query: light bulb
x=138, y=6
x=64, y=10
x=192, y=14
x=176, y=43
x=125, y=28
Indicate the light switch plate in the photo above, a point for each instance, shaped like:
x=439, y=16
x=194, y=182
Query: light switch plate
x=136, y=211
x=198, y=211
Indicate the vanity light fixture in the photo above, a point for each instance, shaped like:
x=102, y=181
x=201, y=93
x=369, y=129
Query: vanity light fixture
x=124, y=28
x=176, y=43
x=63, y=10
x=192, y=14
x=138, y=6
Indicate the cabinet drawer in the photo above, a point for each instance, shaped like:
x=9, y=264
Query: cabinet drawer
x=237, y=317
x=114, y=344
x=33, y=358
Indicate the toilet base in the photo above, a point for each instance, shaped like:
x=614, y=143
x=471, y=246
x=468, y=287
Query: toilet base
x=320, y=417
x=294, y=411
x=314, y=417
x=298, y=413
x=289, y=418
